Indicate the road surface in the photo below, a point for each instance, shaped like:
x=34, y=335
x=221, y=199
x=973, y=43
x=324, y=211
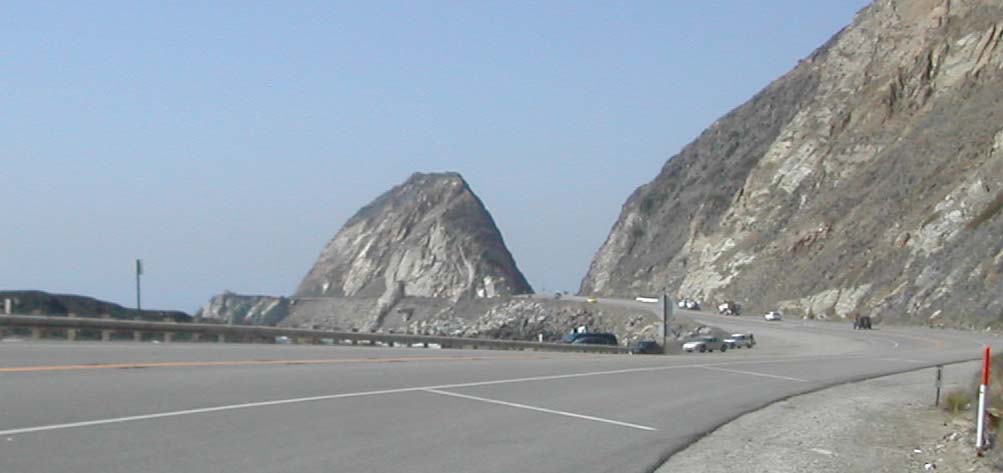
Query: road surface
x=127, y=407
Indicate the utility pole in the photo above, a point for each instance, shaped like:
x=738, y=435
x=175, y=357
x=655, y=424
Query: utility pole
x=139, y=272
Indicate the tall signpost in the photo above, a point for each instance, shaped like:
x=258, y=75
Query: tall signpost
x=980, y=419
x=139, y=272
x=668, y=308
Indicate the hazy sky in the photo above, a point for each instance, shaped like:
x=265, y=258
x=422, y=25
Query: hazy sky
x=226, y=142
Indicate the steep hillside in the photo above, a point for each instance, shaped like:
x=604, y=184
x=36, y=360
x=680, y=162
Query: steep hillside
x=237, y=309
x=869, y=178
x=430, y=236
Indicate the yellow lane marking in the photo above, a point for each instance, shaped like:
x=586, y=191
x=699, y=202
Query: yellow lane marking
x=191, y=364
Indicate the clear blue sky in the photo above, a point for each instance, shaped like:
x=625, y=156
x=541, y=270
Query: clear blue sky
x=226, y=142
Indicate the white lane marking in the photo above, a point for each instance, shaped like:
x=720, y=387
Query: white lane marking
x=753, y=373
x=541, y=409
x=903, y=360
x=204, y=410
x=249, y=405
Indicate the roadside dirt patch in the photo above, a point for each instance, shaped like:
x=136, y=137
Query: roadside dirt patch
x=886, y=424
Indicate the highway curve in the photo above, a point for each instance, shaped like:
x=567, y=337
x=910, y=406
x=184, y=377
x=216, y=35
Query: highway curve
x=126, y=407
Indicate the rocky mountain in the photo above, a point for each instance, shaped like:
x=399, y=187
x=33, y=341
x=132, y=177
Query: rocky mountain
x=238, y=309
x=430, y=236
x=868, y=178
x=429, y=239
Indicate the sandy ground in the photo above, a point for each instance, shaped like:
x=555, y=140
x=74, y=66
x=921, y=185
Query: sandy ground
x=886, y=424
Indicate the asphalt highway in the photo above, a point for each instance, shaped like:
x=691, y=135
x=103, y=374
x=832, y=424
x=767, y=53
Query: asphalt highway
x=142, y=407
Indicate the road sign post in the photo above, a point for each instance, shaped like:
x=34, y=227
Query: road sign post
x=980, y=419
x=939, y=383
x=667, y=311
x=139, y=272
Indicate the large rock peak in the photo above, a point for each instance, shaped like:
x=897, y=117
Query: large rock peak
x=870, y=177
x=430, y=236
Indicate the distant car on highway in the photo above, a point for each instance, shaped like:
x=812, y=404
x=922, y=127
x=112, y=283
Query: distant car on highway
x=591, y=338
x=703, y=344
x=773, y=316
x=741, y=340
x=591, y=300
x=689, y=304
x=645, y=347
x=729, y=308
x=862, y=322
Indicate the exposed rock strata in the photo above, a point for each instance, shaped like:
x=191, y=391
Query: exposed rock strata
x=431, y=234
x=870, y=177
x=240, y=309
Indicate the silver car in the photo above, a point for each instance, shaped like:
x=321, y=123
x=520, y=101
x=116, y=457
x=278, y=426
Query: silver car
x=741, y=340
x=703, y=344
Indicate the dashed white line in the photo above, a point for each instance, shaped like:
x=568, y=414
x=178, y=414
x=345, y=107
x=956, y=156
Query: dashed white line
x=541, y=409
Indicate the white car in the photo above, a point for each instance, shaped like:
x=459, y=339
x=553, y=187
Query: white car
x=705, y=343
x=740, y=340
x=773, y=316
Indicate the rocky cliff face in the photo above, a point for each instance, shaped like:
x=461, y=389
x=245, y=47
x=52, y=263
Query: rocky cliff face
x=429, y=237
x=240, y=309
x=869, y=178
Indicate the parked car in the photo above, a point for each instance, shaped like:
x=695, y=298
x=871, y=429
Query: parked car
x=703, y=344
x=645, y=347
x=729, y=308
x=591, y=338
x=773, y=316
x=741, y=340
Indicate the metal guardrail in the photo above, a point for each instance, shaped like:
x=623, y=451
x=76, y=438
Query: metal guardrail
x=39, y=324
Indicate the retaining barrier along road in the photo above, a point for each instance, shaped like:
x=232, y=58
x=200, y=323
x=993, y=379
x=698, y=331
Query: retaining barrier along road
x=40, y=324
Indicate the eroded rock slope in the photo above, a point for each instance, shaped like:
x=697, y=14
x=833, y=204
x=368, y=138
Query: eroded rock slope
x=870, y=177
x=431, y=236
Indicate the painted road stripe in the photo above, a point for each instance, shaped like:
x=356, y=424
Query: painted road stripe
x=541, y=409
x=251, y=405
x=902, y=360
x=753, y=373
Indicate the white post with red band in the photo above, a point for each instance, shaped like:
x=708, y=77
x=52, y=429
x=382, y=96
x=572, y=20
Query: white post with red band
x=980, y=426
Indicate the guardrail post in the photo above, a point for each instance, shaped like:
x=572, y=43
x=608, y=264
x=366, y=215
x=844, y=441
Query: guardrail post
x=71, y=333
x=195, y=337
x=8, y=306
x=105, y=334
x=221, y=338
x=137, y=336
x=168, y=337
x=36, y=333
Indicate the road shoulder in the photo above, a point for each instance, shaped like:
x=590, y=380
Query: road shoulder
x=886, y=424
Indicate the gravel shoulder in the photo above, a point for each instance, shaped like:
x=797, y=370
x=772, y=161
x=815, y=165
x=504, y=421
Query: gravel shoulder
x=886, y=424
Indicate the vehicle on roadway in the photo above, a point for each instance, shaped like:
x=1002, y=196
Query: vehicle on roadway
x=645, y=347
x=689, y=304
x=729, y=308
x=862, y=322
x=740, y=340
x=591, y=338
x=591, y=300
x=706, y=343
x=773, y=316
